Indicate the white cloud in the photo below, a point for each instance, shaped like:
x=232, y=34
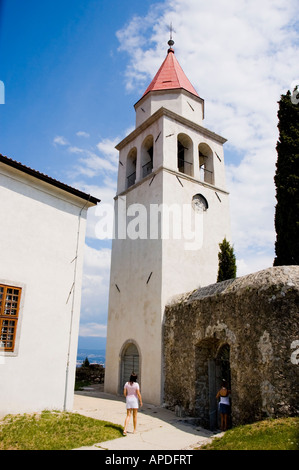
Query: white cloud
x=95, y=291
x=253, y=264
x=105, y=192
x=60, y=140
x=100, y=160
x=91, y=164
x=96, y=261
x=83, y=134
x=107, y=148
x=95, y=174
x=93, y=330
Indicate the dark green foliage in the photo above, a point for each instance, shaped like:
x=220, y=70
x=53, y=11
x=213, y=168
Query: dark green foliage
x=287, y=183
x=86, y=362
x=89, y=374
x=227, y=262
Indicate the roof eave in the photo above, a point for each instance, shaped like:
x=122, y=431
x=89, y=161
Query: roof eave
x=169, y=90
x=47, y=179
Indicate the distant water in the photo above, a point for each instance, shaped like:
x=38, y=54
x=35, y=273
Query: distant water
x=95, y=356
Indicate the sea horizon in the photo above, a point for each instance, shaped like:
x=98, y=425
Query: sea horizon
x=95, y=356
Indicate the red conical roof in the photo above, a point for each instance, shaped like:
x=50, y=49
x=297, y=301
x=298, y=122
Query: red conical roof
x=170, y=76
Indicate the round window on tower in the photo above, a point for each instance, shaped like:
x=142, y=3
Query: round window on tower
x=199, y=203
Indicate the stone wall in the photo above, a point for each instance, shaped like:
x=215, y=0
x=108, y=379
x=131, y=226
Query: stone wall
x=245, y=329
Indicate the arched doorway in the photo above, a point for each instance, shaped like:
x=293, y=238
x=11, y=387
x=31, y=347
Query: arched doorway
x=222, y=372
x=212, y=365
x=130, y=362
x=223, y=363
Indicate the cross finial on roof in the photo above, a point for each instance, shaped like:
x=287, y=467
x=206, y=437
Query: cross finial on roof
x=170, y=42
x=170, y=30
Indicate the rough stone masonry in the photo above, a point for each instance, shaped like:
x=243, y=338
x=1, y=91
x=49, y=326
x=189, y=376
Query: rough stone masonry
x=246, y=329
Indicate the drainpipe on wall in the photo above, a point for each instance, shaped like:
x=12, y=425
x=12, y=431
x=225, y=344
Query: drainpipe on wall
x=73, y=289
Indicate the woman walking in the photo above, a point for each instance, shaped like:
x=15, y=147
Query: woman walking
x=132, y=394
x=224, y=405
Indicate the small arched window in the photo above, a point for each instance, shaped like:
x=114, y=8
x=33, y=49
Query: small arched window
x=131, y=167
x=205, y=156
x=185, y=154
x=147, y=156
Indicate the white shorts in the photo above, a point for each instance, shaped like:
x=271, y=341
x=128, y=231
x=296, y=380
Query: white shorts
x=131, y=402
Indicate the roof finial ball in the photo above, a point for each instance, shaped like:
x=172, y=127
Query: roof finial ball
x=170, y=42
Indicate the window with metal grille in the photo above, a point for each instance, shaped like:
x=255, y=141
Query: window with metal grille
x=9, y=313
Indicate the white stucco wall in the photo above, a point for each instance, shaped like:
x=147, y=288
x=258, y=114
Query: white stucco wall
x=179, y=101
x=192, y=261
x=135, y=309
x=39, y=231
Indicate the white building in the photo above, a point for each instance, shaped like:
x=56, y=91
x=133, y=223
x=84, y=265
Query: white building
x=171, y=170
x=42, y=233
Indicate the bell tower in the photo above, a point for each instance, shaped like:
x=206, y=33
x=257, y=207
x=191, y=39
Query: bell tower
x=171, y=213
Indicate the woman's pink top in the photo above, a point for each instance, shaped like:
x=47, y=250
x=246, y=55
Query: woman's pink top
x=132, y=389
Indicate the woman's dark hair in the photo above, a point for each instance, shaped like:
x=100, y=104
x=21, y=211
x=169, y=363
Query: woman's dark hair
x=133, y=377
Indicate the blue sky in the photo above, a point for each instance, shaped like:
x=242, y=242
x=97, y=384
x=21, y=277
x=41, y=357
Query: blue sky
x=73, y=69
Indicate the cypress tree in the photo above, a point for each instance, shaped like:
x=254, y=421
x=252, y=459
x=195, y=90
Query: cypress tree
x=287, y=182
x=86, y=362
x=227, y=262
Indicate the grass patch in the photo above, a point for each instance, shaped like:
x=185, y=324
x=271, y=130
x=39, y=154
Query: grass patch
x=270, y=434
x=52, y=430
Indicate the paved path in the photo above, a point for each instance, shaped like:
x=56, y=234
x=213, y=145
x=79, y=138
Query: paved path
x=157, y=427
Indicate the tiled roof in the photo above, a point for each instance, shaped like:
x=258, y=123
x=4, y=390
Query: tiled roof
x=41, y=176
x=170, y=76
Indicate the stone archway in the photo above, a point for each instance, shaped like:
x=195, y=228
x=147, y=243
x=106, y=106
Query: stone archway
x=222, y=372
x=212, y=365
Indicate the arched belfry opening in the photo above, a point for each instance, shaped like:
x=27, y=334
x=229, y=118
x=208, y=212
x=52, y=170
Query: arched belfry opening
x=131, y=167
x=129, y=362
x=206, y=166
x=185, y=154
x=212, y=366
x=147, y=156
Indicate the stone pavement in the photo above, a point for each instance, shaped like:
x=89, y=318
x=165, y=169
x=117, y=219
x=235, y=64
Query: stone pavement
x=157, y=427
